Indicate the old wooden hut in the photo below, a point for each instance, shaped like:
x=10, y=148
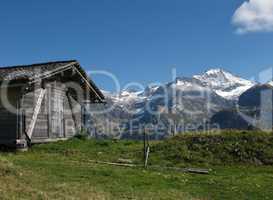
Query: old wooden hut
x=44, y=102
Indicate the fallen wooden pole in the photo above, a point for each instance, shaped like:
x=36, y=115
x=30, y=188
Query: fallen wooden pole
x=197, y=171
x=185, y=170
x=111, y=163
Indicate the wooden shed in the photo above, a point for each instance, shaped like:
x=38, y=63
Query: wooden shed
x=44, y=102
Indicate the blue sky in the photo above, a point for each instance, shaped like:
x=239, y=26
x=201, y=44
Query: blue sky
x=137, y=40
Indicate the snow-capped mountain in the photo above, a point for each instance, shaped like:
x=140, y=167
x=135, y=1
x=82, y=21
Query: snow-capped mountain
x=224, y=83
x=128, y=96
x=215, y=86
x=191, y=100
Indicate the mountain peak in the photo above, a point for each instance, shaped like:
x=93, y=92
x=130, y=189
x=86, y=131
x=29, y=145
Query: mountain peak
x=215, y=71
x=220, y=73
x=224, y=83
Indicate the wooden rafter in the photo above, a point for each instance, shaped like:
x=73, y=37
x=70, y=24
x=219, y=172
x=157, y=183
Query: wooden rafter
x=89, y=85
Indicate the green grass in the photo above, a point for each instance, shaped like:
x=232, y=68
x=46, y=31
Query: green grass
x=64, y=170
x=226, y=148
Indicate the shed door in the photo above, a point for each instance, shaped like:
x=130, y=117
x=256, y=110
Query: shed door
x=57, y=114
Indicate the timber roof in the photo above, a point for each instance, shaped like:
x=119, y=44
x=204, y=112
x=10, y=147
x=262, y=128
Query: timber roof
x=44, y=70
x=29, y=71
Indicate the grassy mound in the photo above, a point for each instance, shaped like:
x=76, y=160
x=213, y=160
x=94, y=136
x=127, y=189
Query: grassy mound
x=227, y=148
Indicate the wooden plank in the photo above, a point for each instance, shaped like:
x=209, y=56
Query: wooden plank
x=197, y=170
x=35, y=114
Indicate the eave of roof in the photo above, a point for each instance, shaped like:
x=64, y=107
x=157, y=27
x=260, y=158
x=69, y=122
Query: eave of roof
x=37, y=64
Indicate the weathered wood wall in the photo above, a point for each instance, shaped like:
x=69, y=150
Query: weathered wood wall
x=59, y=117
x=46, y=106
x=60, y=114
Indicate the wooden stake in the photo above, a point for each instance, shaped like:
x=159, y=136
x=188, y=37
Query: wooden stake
x=144, y=147
x=147, y=156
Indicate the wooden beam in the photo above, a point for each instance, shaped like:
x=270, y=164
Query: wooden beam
x=89, y=85
x=35, y=114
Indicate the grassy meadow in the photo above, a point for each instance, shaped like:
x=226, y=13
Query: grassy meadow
x=240, y=163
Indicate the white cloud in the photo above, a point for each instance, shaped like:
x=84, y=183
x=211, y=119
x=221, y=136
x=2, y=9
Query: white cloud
x=254, y=16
